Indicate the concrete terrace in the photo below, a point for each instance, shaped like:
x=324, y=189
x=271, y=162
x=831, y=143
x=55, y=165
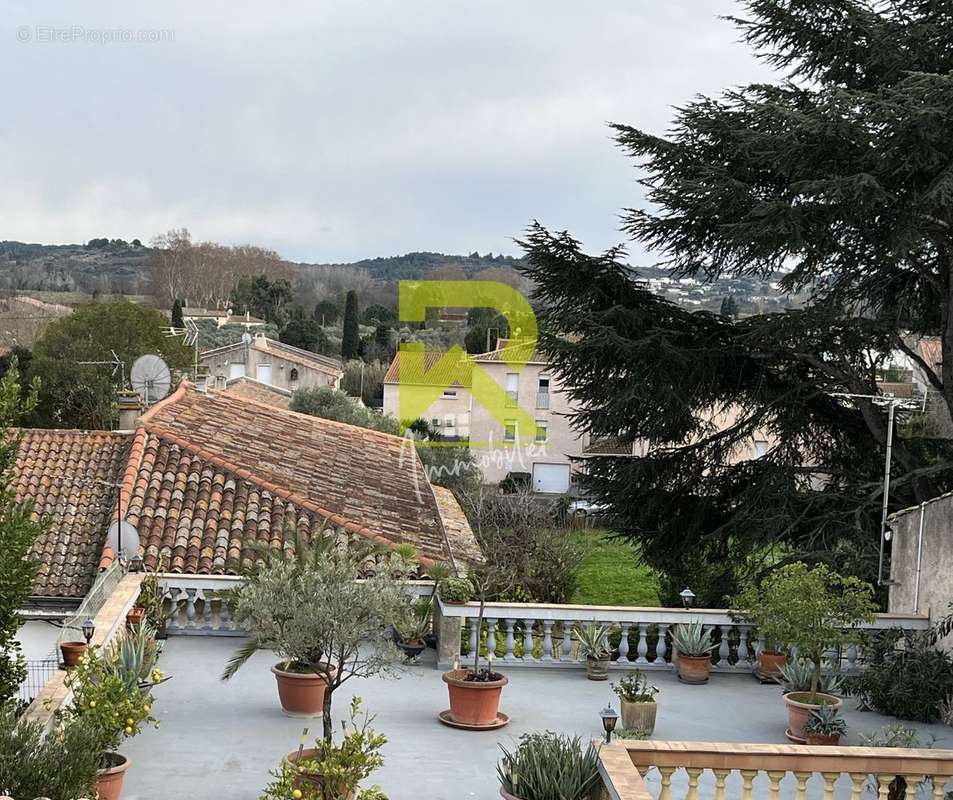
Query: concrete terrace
x=219, y=740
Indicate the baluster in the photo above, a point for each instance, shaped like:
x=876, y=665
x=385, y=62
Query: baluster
x=528, y=654
x=801, y=792
x=720, y=776
x=724, y=649
x=665, y=775
x=742, y=662
x=939, y=786
x=474, y=637
x=693, y=774
x=830, y=778
x=912, y=786
x=851, y=657
x=883, y=787
x=225, y=619
x=758, y=647
x=510, y=645
x=643, y=647
x=190, y=608
x=491, y=637
x=774, y=780
x=547, y=640
x=747, y=778
x=660, y=646
x=567, y=640
x=206, y=610
x=624, y=643
x=711, y=632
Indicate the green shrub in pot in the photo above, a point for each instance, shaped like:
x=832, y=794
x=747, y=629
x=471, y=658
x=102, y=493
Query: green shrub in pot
x=548, y=765
x=637, y=699
x=456, y=590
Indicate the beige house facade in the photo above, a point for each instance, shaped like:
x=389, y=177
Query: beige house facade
x=272, y=363
x=450, y=413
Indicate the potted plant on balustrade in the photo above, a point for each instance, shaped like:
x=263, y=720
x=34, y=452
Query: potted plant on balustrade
x=812, y=610
x=455, y=590
x=825, y=726
x=692, y=645
x=330, y=771
x=547, y=765
x=475, y=692
x=593, y=641
x=637, y=697
x=152, y=600
x=325, y=625
x=112, y=700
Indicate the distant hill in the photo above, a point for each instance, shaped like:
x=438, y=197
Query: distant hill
x=416, y=265
x=102, y=267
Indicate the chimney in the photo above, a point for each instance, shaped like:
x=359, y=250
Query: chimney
x=130, y=407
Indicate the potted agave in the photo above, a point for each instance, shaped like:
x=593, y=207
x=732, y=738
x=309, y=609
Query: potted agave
x=412, y=627
x=475, y=692
x=325, y=625
x=548, y=765
x=813, y=610
x=693, y=646
x=593, y=640
x=825, y=726
x=637, y=698
x=112, y=699
x=330, y=771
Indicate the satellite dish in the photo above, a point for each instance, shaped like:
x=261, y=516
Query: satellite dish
x=123, y=538
x=151, y=379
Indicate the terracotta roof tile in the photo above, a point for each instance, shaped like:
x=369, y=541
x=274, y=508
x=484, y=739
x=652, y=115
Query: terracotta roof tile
x=436, y=369
x=256, y=390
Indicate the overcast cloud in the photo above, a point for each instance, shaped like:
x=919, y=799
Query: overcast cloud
x=333, y=131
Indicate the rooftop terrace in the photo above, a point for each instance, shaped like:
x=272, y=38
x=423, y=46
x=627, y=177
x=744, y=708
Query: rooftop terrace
x=219, y=740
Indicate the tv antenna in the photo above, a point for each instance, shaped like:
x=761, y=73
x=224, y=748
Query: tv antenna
x=116, y=363
x=150, y=378
x=190, y=334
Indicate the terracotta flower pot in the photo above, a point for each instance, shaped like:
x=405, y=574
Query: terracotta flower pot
x=770, y=663
x=412, y=649
x=597, y=669
x=136, y=616
x=301, y=693
x=507, y=796
x=694, y=669
x=639, y=716
x=822, y=739
x=473, y=702
x=109, y=780
x=799, y=711
x=312, y=780
x=72, y=652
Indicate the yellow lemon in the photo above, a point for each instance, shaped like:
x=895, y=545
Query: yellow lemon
x=128, y=731
x=92, y=704
x=296, y=794
x=130, y=721
x=146, y=708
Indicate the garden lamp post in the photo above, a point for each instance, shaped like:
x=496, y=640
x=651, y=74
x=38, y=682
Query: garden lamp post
x=609, y=720
x=88, y=628
x=688, y=597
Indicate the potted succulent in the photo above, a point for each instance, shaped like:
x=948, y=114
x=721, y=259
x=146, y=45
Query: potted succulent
x=825, y=726
x=797, y=676
x=412, y=626
x=693, y=646
x=813, y=610
x=325, y=625
x=593, y=640
x=330, y=771
x=112, y=699
x=475, y=692
x=637, y=697
x=548, y=765
x=456, y=591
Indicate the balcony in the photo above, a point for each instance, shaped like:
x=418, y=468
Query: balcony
x=542, y=400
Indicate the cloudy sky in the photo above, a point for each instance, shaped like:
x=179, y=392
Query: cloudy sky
x=344, y=129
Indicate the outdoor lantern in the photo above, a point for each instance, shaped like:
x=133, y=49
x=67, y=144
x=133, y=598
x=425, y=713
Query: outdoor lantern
x=688, y=597
x=888, y=533
x=88, y=628
x=609, y=719
x=136, y=563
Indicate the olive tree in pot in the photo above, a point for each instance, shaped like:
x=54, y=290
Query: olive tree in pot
x=325, y=625
x=547, y=765
x=811, y=610
x=593, y=641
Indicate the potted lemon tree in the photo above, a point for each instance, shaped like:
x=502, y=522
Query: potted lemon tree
x=813, y=610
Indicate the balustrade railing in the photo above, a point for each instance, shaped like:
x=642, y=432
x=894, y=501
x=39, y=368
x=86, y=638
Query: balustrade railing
x=523, y=634
x=659, y=770
x=197, y=606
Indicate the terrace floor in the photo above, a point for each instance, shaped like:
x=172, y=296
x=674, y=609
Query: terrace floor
x=219, y=740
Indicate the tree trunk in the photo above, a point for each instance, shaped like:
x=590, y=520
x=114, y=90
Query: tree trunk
x=815, y=681
x=326, y=714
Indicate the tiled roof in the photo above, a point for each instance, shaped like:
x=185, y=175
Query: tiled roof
x=217, y=470
x=511, y=350
x=295, y=354
x=437, y=369
x=256, y=390
x=66, y=474
x=931, y=348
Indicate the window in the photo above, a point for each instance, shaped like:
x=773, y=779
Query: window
x=450, y=394
x=450, y=421
x=509, y=430
x=760, y=447
x=542, y=430
x=435, y=422
x=542, y=392
x=512, y=389
x=293, y=375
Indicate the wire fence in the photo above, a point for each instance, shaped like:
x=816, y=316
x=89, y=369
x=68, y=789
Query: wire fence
x=37, y=674
x=92, y=603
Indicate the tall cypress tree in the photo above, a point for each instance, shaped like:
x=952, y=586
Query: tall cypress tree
x=177, y=320
x=351, y=339
x=835, y=181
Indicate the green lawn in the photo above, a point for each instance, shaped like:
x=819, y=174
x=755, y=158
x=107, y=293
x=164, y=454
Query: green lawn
x=613, y=574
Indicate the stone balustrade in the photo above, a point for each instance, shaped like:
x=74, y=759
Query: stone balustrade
x=197, y=606
x=649, y=770
x=526, y=634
